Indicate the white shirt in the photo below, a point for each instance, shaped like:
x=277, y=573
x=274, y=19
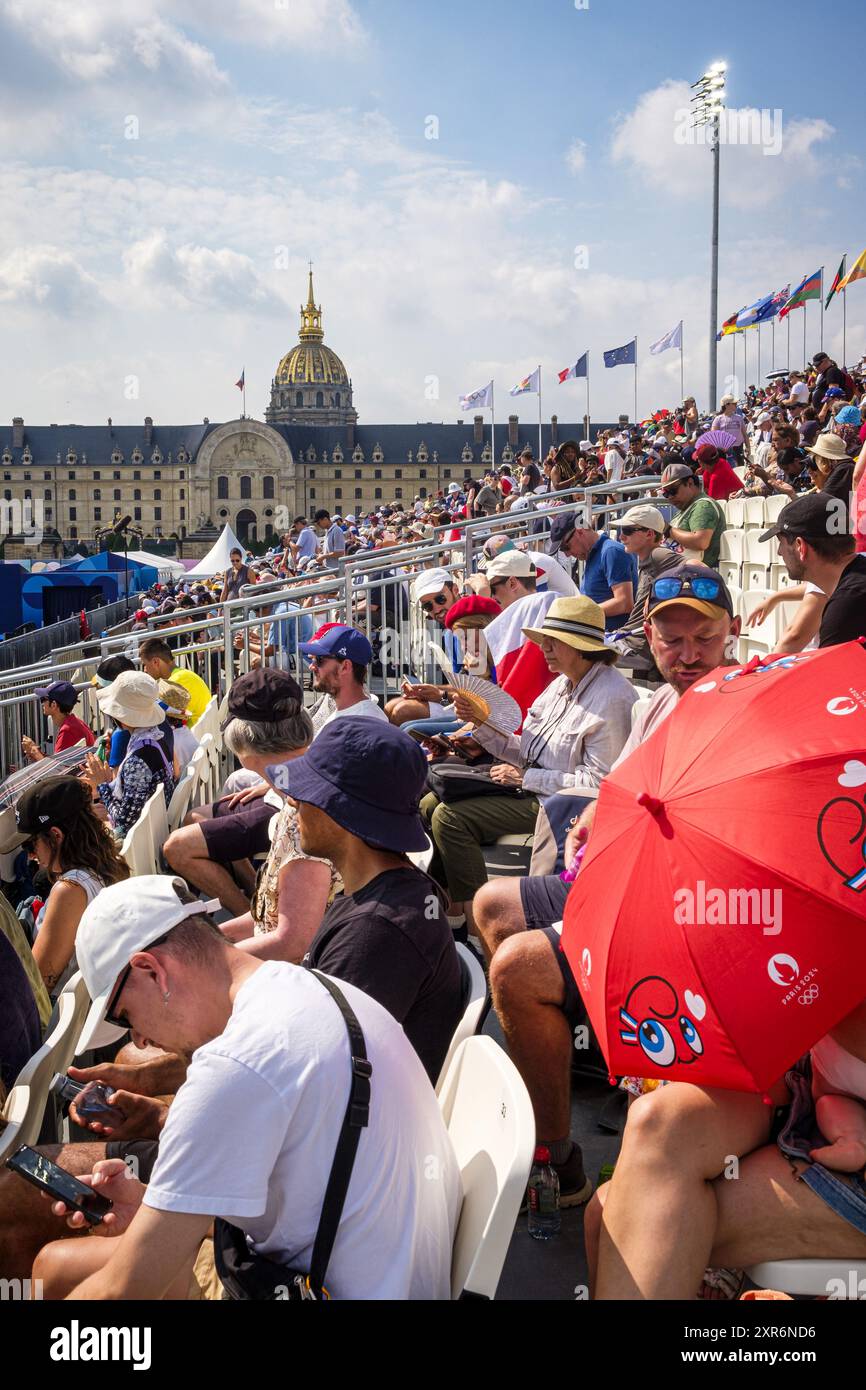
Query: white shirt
x=363, y=709
x=335, y=540
x=799, y=392
x=558, y=580
x=613, y=465
x=252, y=1132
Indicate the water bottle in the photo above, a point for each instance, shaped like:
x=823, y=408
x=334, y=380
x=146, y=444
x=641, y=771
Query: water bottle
x=544, y=1218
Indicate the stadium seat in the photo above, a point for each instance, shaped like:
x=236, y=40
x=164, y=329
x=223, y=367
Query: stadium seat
x=733, y=546
x=756, y=562
x=489, y=1118
x=475, y=997
x=137, y=849
x=25, y=1110
x=753, y=512
x=779, y=577
x=816, y=1278
x=773, y=506
x=154, y=814
x=181, y=798
x=736, y=511
x=730, y=572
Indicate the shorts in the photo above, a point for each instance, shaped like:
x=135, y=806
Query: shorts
x=138, y=1154
x=798, y=1133
x=572, y=1005
x=543, y=899
x=233, y=835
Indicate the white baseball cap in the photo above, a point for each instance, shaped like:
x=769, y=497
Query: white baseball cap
x=124, y=918
x=510, y=564
x=649, y=517
x=431, y=582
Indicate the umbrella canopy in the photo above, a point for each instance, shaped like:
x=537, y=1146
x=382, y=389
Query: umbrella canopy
x=716, y=926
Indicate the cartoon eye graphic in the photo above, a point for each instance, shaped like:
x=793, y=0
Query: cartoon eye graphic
x=691, y=1035
x=657, y=1043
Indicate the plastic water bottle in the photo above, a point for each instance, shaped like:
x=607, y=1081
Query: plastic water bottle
x=544, y=1218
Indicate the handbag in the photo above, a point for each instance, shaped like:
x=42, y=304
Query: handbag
x=451, y=784
x=250, y=1277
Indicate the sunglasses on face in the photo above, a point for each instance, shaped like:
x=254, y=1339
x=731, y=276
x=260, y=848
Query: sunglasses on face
x=318, y=660
x=701, y=587
x=118, y=1020
x=428, y=604
x=630, y=530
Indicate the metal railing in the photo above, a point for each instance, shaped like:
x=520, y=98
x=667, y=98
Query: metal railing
x=370, y=590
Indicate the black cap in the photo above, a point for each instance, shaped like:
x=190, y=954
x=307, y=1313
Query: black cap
x=54, y=801
x=560, y=530
x=820, y=357
x=814, y=517
x=264, y=696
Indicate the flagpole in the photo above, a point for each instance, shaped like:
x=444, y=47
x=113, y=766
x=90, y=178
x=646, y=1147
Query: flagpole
x=635, y=378
x=733, y=367
x=586, y=426
x=492, y=427
x=773, y=344
x=745, y=362
x=844, y=329
x=759, y=355
x=821, y=344
x=788, y=322
x=805, y=358
x=682, y=375
x=539, y=414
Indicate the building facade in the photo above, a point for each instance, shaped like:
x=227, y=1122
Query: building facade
x=174, y=481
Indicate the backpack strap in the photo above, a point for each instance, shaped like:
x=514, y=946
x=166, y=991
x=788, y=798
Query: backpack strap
x=356, y=1118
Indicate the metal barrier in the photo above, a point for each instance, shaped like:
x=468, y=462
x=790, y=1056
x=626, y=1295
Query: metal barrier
x=370, y=590
x=39, y=644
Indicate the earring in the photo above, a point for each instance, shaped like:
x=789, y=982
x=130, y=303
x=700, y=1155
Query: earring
x=166, y=996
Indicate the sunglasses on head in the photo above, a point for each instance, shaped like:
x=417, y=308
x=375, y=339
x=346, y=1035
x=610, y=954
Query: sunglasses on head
x=702, y=586
x=429, y=603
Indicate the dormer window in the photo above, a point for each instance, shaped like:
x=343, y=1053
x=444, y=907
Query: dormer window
x=357, y=454
x=156, y=456
x=182, y=455
x=422, y=452
x=27, y=456
x=71, y=457
x=116, y=456
x=337, y=455
x=137, y=455
x=378, y=456
x=466, y=456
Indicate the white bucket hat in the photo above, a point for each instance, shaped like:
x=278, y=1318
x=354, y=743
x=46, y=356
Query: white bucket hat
x=132, y=698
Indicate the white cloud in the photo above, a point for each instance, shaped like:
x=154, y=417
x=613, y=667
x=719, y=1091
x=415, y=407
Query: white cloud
x=44, y=277
x=576, y=156
x=765, y=154
x=213, y=279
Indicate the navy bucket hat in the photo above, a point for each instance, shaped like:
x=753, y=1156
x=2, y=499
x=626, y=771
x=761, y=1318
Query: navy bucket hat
x=367, y=776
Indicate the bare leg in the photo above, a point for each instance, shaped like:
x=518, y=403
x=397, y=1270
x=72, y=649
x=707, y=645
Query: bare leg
x=592, y=1219
x=26, y=1219
x=186, y=851
x=842, y=1119
x=767, y=1214
x=498, y=913
x=660, y=1214
x=403, y=711
x=528, y=994
x=63, y=1264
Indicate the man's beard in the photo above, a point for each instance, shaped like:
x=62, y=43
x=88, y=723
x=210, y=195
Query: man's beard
x=325, y=685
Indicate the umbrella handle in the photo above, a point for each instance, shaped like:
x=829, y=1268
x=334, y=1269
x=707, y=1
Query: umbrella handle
x=652, y=803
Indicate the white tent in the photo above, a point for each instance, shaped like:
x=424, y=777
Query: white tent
x=217, y=559
x=168, y=568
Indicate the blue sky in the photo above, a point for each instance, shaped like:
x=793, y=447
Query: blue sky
x=138, y=275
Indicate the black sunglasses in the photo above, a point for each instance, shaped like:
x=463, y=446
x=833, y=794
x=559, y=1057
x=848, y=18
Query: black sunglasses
x=115, y=1019
x=671, y=491
x=630, y=530
x=430, y=603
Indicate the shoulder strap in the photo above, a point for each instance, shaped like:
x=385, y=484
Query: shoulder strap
x=356, y=1118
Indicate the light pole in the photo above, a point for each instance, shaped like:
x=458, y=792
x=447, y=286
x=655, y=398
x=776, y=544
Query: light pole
x=708, y=103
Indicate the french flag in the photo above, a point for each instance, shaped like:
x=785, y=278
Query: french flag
x=521, y=669
x=580, y=368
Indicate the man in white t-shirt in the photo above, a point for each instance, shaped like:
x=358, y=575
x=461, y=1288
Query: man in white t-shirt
x=252, y=1132
x=614, y=460
x=340, y=656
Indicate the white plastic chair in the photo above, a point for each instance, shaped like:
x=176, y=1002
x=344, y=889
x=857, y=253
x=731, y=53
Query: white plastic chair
x=757, y=560
x=732, y=546
x=488, y=1115
x=753, y=512
x=156, y=817
x=137, y=848
x=736, y=511
x=199, y=771
x=475, y=995
x=25, y=1104
x=181, y=798
x=812, y=1277
x=730, y=572
x=773, y=506
x=210, y=769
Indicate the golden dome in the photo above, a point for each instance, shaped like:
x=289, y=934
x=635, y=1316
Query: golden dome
x=310, y=363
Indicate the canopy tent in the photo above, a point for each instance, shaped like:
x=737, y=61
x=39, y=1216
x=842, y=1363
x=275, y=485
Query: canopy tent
x=167, y=567
x=217, y=559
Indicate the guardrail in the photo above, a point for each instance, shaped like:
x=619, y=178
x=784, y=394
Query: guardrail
x=370, y=590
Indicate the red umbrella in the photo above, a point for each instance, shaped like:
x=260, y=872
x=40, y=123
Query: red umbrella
x=717, y=927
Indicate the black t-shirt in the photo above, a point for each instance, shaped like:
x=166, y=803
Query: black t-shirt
x=20, y=1030
x=844, y=617
x=392, y=940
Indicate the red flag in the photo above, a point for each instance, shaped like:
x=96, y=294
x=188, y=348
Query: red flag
x=240, y=384
x=521, y=670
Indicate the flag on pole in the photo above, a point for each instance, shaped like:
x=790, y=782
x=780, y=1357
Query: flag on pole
x=840, y=276
x=478, y=400
x=810, y=288
x=729, y=326
x=240, y=383
x=674, y=339
x=580, y=368
x=857, y=272
x=529, y=385
x=773, y=305
x=622, y=356
x=755, y=313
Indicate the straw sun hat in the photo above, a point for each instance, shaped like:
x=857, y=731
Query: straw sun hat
x=576, y=621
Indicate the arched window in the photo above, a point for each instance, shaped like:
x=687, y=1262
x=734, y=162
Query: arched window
x=222, y=488
x=299, y=398
x=337, y=400
x=320, y=399
x=267, y=486
x=246, y=486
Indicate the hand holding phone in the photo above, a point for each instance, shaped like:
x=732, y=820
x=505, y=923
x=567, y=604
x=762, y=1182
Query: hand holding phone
x=72, y=1194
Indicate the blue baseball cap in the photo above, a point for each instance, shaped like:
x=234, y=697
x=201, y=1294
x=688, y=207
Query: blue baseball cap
x=63, y=692
x=367, y=776
x=343, y=643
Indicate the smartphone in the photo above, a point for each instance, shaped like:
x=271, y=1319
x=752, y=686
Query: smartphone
x=40, y=1172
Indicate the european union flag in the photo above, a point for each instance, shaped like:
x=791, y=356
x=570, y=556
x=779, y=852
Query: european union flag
x=622, y=356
